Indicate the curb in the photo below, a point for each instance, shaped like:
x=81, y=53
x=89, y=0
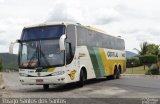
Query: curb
x=140, y=75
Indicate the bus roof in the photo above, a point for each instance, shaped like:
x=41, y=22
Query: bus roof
x=95, y=29
x=69, y=23
x=52, y=23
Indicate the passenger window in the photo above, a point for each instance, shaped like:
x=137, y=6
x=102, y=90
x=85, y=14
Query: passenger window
x=68, y=53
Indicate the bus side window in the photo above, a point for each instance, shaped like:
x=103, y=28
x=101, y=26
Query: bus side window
x=68, y=53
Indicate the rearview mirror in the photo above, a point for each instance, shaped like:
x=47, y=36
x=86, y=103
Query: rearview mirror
x=61, y=42
x=12, y=45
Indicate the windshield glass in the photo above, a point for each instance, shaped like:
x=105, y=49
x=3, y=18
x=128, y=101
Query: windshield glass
x=43, y=32
x=40, y=47
x=29, y=54
x=42, y=53
x=50, y=53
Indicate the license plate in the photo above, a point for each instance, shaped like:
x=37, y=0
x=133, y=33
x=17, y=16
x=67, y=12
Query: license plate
x=39, y=80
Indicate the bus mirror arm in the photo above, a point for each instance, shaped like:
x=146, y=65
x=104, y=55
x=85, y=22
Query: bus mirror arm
x=18, y=41
x=12, y=45
x=61, y=42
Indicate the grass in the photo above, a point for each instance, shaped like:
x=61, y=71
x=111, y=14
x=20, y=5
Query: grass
x=136, y=70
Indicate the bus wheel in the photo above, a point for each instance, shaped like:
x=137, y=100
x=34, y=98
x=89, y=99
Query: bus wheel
x=82, y=79
x=46, y=86
x=116, y=74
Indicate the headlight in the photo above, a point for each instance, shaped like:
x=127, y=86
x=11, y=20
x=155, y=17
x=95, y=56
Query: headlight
x=58, y=73
x=23, y=75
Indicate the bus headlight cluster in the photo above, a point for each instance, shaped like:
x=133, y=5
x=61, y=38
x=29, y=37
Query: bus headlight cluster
x=58, y=73
x=23, y=74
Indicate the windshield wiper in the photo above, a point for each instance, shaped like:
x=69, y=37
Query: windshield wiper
x=31, y=61
x=45, y=60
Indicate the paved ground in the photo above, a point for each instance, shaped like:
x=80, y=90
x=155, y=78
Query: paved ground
x=1, y=78
x=126, y=87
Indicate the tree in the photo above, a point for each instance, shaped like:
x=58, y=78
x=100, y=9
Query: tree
x=153, y=49
x=148, y=53
x=143, y=48
x=148, y=59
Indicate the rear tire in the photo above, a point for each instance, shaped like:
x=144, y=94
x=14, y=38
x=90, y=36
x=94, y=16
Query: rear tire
x=46, y=86
x=116, y=74
x=82, y=79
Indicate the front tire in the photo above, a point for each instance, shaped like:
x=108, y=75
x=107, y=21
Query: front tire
x=46, y=86
x=82, y=79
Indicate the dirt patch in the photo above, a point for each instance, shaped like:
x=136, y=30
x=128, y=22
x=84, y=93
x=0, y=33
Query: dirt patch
x=1, y=79
x=1, y=82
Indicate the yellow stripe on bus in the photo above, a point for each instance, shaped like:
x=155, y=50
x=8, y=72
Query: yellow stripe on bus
x=50, y=69
x=110, y=64
x=104, y=60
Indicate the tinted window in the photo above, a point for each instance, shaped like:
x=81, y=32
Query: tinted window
x=45, y=32
x=70, y=42
x=50, y=53
x=82, y=36
x=86, y=37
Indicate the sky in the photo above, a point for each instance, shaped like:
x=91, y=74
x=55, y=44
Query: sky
x=135, y=21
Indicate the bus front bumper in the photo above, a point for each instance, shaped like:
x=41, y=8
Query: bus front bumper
x=43, y=80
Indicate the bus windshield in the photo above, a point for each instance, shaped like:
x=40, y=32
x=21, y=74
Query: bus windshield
x=50, y=54
x=45, y=32
x=29, y=54
x=43, y=53
x=40, y=47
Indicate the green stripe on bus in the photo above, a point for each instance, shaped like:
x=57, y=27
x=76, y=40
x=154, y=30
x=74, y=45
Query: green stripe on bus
x=41, y=70
x=100, y=63
x=94, y=61
x=44, y=70
x=38, y=70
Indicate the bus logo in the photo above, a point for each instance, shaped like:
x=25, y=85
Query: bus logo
x=72, y=74
x=112, y=54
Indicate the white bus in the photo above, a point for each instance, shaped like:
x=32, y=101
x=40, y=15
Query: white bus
x=60, y=53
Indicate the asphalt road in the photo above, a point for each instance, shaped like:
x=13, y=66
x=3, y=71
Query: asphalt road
x=126, y=87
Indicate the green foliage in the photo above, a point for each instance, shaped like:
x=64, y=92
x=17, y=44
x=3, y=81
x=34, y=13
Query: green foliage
x=159, y=57
x=133, y=62
x=9, y=61
x=148, y=59
x=153, y=70
x=153, y=49
x=143, y=48
x=149, y=54
x=148, y=49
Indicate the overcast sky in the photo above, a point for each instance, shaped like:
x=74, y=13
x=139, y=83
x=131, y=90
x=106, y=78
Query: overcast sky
x=135, y=21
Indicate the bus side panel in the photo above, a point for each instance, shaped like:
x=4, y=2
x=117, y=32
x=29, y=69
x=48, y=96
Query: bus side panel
x=81, y=59
x=96, y=61
x=113, y=58
x=104, y=60
x=99, y=62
